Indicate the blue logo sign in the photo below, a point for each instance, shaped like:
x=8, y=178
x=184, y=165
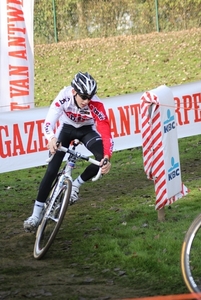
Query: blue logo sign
x=174, y=171
x=169, y=124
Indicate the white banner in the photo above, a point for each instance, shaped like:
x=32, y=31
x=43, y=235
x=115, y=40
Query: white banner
x=22, y=143
x=16, y=55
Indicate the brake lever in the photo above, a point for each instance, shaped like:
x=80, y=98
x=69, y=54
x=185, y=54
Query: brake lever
x=52, y=155
x=99, y=175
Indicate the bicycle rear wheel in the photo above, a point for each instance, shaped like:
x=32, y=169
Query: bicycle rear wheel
x=51, y=223
x=190, y=257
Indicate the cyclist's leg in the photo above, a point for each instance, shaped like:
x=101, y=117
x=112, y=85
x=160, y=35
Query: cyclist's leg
x=53, y=168
x=65, y=138
x=44, y=189
x=32, y=222
x=50, y=175
x=93, y=142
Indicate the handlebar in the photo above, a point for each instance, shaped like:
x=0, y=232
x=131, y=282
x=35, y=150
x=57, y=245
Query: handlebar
x=79, y=155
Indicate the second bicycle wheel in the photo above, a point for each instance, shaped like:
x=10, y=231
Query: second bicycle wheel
x=190, y=257
x=51, y=223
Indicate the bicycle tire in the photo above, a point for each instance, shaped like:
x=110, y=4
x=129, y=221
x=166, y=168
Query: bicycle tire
x=190, y=256
x=48, y=227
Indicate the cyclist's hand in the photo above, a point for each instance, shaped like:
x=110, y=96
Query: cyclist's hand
x=106, y=165
x=52, y=145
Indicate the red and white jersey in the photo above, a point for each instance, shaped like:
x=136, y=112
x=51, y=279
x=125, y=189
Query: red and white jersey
x=64, y=109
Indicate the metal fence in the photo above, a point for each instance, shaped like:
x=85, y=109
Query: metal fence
x=62, y=20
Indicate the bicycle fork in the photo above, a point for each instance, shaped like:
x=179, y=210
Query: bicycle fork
x=54, y=206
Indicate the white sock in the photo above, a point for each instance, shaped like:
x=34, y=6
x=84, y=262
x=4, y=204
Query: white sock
x=78, y=182
x=38, y=206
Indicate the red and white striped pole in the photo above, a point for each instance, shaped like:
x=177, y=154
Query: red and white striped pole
x=160, y=145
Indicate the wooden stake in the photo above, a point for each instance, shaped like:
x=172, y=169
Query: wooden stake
x=161, y=214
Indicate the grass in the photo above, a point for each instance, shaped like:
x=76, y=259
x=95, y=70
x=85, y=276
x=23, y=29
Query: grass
x=110, y=245
x=121, y=65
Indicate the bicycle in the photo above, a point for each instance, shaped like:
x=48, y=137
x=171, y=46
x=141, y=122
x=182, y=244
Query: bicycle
x=59, y=198
x=190, y=256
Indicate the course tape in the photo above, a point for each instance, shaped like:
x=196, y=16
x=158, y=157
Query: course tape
x=169, y=297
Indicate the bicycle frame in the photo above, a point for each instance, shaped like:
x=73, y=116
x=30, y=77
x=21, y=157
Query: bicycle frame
x=58, y=201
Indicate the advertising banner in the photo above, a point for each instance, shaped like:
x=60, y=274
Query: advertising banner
x=16, y=55
x=22, y=143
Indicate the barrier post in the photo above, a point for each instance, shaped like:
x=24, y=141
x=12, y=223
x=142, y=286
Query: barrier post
x=160, y=147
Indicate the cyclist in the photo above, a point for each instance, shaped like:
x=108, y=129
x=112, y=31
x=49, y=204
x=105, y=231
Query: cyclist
x=82, y=116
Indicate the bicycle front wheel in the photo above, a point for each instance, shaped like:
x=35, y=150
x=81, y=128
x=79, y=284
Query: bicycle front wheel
x=51, y=223
x=190, y=257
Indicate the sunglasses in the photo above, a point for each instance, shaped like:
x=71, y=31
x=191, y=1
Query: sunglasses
x=85, y=97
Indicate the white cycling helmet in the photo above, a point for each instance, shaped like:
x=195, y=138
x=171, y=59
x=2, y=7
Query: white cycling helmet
x=84, y=85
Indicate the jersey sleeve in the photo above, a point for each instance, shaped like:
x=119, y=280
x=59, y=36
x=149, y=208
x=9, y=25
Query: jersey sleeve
x=102, y=124
x=53, y=115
